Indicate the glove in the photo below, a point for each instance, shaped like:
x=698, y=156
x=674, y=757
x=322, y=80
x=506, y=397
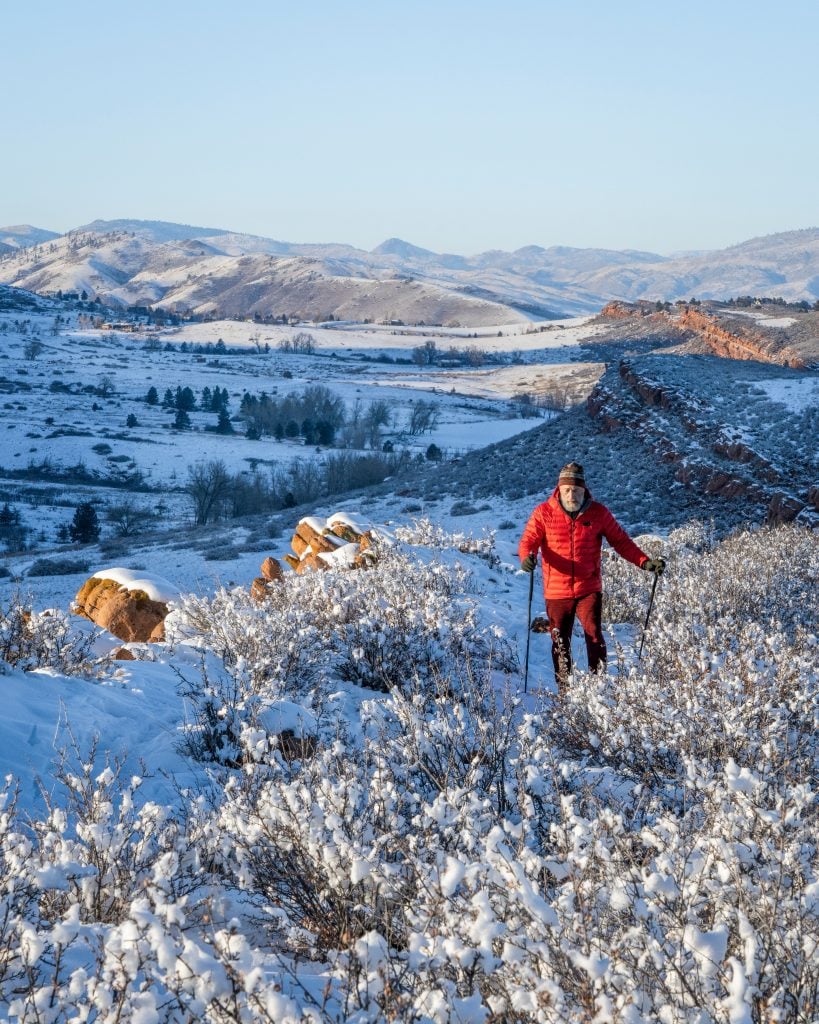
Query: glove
x=529, y=562
x=655, y=565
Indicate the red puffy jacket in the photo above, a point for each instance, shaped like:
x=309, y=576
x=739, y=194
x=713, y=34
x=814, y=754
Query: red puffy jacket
x=570, y=547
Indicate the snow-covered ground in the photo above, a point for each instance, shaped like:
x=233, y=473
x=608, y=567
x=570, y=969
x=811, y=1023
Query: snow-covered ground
x=795, y=395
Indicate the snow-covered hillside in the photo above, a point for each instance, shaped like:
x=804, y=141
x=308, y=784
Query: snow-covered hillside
x=396, y=280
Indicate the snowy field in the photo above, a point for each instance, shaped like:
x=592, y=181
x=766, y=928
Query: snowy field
x=796, y=395
x=76, y=426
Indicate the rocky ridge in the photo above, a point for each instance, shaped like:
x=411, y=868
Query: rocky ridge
x=709, y=329
x=686, y=430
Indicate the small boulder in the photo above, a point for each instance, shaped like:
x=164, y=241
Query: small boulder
x=272, y=569
x=130, y=606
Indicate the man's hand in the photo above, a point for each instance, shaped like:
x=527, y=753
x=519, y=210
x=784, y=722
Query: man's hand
x=529, y=562
x=655, y=565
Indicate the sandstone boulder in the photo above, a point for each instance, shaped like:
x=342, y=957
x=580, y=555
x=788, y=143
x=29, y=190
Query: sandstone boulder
x=338, y=542
x=129, y=605
x=271, y=570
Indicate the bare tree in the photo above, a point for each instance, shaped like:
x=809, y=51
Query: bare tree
x=33, y=348
x=302, y=343
x=105, y=386
x=378, y=415
x=129, y=517
x=209, y=486
x=423, y=417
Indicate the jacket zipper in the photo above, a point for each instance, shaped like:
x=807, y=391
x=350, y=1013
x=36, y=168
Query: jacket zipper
x=572, y=536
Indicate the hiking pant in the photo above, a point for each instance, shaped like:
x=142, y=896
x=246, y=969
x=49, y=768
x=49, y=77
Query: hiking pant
x=562, y=612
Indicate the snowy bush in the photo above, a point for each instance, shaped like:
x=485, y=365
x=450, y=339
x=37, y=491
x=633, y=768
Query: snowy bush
x=643, y=850
x=32, y=640
x=428, y=534
x=402, y=623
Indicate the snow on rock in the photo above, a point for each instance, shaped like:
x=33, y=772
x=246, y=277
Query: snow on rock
x=131, y=606
x=156, y=587
x=340, y=542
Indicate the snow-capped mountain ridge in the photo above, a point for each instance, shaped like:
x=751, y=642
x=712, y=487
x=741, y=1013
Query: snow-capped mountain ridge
x=540, y=281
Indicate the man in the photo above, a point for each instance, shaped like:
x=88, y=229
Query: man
x=568, y=530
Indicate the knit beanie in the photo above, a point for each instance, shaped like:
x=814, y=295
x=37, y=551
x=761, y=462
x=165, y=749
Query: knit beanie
x=572, y=474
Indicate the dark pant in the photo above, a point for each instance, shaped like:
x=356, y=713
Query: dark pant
x=562, y=612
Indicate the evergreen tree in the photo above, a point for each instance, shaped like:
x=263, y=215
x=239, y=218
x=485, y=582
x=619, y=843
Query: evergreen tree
x=326, y=433
x=182, y=421
x=206, y=401
x=152, y=398
x=224, y=426
x=221, y=399
x=185, y=400
x=85, y=526
x=168, y=400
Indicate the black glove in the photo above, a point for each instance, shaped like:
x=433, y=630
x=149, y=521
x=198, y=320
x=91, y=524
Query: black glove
x=655, y=565
x=529, y=562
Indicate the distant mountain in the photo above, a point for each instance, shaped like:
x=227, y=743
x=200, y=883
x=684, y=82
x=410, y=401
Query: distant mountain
x=161, y=263
x=398, y=247
x=157, y=230
x=18, y=236
x=193, y=274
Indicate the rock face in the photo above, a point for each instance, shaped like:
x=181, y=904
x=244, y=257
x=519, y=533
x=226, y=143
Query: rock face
x=271, y=573
x=723, y=335
x=131, y=615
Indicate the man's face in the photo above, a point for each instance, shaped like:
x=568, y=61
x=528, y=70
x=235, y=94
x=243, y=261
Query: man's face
x=572, y=496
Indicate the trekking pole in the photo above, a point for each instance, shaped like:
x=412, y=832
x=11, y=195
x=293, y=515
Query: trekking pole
x=528, y=629
x=648, y=614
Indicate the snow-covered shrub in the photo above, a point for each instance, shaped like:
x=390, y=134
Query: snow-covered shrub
x=378, y=628
x=644, y=850
x=100, y=847
x=250, y=654
x=108, y=914
x=32, y=640
x=269, y=649
x=403, y=621
x=428, y=534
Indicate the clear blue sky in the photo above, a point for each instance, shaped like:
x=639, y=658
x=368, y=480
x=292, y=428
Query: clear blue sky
x=457, y=126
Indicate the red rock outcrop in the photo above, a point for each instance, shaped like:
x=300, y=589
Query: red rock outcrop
x=728, y=338
x=738, y=342
x=131, y=615
x=337, y=542
x=783, y=508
